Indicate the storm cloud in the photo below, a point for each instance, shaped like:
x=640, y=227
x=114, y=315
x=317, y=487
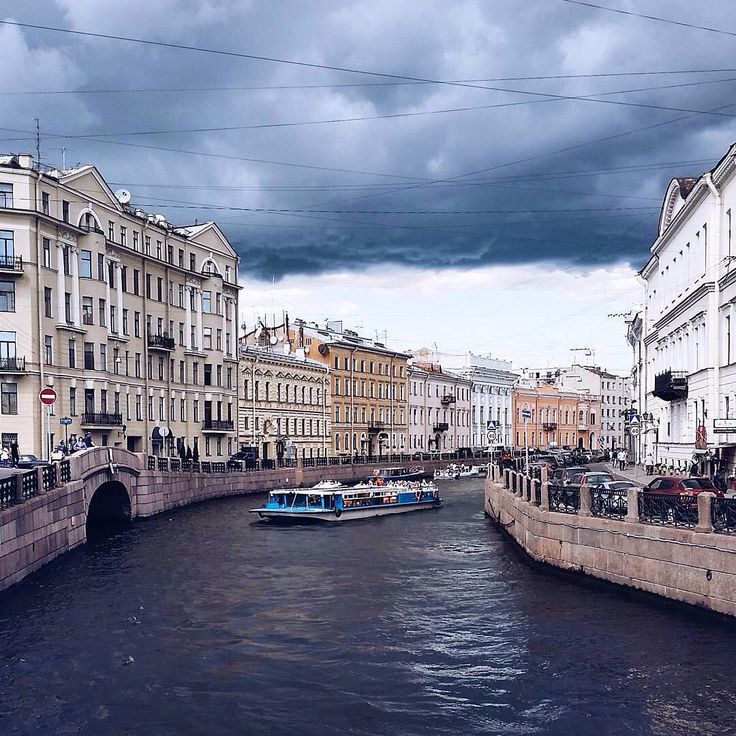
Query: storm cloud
x=526, y=175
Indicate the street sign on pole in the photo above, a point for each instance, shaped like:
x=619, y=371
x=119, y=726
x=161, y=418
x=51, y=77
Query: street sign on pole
x=65, y=421
x=491, y=436
x=47, y=396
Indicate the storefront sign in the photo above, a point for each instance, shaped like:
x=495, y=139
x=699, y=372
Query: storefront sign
x=724, y=426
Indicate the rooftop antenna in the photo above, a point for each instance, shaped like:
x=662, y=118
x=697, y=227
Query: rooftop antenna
x=63, y=159
x=38, y=141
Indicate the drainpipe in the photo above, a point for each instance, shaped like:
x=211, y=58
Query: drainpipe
x=713, y=307
x=325, y=386
x=39, y=292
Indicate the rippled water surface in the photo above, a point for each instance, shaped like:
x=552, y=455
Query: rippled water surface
x=204, y=622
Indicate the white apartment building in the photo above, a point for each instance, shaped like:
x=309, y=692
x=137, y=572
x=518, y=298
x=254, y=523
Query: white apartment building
x=439, y=409
x=615, y=393
x=491, y=396
x=686, y=353
x=131, y=320
x=284, y=402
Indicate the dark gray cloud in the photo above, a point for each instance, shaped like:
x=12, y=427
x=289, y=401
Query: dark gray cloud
x=353, y=194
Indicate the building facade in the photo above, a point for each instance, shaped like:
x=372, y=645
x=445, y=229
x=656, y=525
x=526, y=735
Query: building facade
x=556, y=417
x=686, y=352
x=132, y=321
x=491, y=396
x=368, y=388
x=284, y=401
x=439, y=409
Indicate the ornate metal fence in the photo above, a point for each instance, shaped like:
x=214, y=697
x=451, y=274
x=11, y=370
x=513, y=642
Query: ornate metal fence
x=7, y=492
x=65, y=470
x=565, y=499
x=723, y=513
x=607, y=502
x=668, y=509
x=29, y=487
x=49, y=477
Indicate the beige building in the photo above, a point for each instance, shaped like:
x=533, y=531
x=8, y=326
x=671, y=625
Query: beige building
x=367, y=388
x=131, y=320
x=284, y=403
x=439, y=409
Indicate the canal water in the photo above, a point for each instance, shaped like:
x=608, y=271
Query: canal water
x=204, y=622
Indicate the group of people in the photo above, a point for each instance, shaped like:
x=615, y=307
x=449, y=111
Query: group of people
x=9, y=455
x=75, y=444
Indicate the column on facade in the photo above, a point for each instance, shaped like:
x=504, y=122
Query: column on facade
x=119, y=287
x=108, y=291
x=225, y=306
x=199, y=322
x=60, y=284
x=188, y=317
x=76, y=320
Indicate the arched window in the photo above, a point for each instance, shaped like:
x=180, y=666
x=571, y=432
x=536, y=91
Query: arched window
x=337, y=441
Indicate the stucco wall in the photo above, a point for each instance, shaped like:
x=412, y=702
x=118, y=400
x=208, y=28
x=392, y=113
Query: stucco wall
x=674, y=563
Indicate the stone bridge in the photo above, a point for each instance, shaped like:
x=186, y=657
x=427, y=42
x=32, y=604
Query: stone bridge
x=50, y=510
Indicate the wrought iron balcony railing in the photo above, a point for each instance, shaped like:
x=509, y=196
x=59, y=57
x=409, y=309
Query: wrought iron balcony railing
x=441, y=427
x=102, y=419
x=161, y=342
x=217, y=425
x=671, y=385
x=549, y=426
x=11, y=263
x=375, y=427
x=13, y=365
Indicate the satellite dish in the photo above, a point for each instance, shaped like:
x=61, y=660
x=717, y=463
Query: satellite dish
x=123, y=196
x=273, y=339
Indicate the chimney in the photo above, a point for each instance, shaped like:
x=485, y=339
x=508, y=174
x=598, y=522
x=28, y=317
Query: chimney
x=25, y=160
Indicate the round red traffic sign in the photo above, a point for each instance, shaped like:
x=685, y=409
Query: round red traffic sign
x=47, y=396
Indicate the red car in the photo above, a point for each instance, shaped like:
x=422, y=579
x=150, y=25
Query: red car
x=677, y=484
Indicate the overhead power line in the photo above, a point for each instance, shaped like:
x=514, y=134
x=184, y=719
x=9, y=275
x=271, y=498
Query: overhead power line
x=350, y=85
x=656, y=18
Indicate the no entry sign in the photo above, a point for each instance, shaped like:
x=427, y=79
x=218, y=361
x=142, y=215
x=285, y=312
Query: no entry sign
x=47, y=396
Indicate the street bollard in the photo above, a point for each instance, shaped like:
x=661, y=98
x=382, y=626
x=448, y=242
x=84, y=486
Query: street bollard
x=584, y=509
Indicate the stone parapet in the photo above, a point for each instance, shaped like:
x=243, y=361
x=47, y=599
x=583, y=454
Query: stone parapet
x=691, y=565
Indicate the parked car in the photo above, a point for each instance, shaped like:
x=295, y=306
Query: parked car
x=561, y=476
x=673, y=484
x=549, y=460
x=30, y=461
x=590, y=478
x=619, y=485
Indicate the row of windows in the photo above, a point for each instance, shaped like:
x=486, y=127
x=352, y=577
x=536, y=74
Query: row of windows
x=420, y=442
x=356, y=388
x=91, y=401
x=550, y=416
x=382, y=415
x=289, y=426
x=362, y=444
x=284, y=392
x=460, y=393
x=462, y=416
x=361, y=365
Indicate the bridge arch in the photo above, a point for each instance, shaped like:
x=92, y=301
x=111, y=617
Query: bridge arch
x=109, y=510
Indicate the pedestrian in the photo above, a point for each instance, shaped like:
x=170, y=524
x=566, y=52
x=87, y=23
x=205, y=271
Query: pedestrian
x=88, y=440
x=693, y=468
x=719, y=481
x=4, y=456
x=14, y=454
x=57, y=454
x=649, y=463
x=625, y=459
x=79, y=445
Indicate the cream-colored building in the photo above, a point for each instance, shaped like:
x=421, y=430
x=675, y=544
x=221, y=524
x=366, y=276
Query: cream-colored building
x=131, y=320
x=284, y=403
x=439, y=409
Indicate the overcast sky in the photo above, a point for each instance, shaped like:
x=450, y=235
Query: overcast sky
x=514, y=227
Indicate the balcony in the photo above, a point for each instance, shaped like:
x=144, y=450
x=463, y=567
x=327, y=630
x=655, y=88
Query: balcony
x=583, y=427
x=549, y=426
x=101, y=419
x=671, y=385
x=11, y=265
x=12, y=365
x=160, y=342
x=217, y=425
x=375, y=427
x=448, y=399
x=441, y=427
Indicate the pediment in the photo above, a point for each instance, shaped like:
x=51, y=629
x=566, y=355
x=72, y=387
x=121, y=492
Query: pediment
x=88, y=182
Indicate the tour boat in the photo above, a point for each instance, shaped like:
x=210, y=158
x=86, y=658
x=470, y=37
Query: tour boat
x=459, y=471
x=339, y=504
x=396, y=474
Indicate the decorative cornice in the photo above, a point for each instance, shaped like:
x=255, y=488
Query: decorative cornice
x=686, y=303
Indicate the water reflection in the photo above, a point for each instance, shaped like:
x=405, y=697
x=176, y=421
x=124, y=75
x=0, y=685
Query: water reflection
x=428, y=623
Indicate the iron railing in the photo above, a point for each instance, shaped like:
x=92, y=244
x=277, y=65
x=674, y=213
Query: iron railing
x=102, y=419
x=723, y=514
x=11, y=263
x=218, y=425
x=668, y=509
x=49, y=477
x=7, y=491
x=29, y=485
x=65, y=471
x=12, y=365
x=163, y=342
x=608, y=502
x=564, y=499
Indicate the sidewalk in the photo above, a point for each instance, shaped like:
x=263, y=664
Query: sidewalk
x=635, y=473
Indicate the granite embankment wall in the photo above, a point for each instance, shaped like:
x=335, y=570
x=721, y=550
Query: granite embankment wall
x=695, y=566
x=44, y=526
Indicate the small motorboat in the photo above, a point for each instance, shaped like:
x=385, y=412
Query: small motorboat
x=456, y=471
